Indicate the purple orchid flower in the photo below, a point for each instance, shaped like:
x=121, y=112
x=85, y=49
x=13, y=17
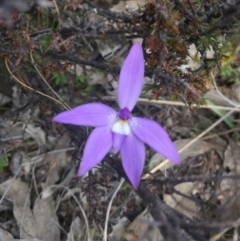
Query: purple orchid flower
x=120, y=130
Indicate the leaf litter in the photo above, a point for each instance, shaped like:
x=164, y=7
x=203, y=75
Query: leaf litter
x=34, y=202
x=40, y=185
x=41, y=222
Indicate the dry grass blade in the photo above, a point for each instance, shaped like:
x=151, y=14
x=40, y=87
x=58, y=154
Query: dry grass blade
x=155, y=169
x=28, y=87
x=58, y=13
x=177, y=103
x=109, y=208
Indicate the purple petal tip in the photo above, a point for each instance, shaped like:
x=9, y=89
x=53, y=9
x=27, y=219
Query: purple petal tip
x=151, y=133
x=131, y=78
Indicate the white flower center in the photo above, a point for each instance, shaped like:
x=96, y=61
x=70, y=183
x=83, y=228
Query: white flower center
x=121, y=127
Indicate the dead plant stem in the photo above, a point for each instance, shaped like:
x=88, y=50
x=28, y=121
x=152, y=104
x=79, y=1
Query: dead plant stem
x=176, y=103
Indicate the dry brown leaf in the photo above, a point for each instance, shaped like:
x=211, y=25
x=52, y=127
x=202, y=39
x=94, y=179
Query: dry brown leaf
x=231, y=165
x=221, y=145
x=17, y=193
x=107, y=51
x=41, y=223
x=57, y=162
x=121, y=6
x=231, y=158
x=4, y=99
x=20, y=164
x=197, y=148
x=180, y=203
x=37, y=133
x=118, y=229
x=76, y=231
x=5, y=235
x=229, y=188
x=46, y=220
x=141, y=229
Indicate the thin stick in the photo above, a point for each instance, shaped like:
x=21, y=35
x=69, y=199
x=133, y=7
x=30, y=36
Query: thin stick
x=177, y=103
x=109, y=209
x=159, y=166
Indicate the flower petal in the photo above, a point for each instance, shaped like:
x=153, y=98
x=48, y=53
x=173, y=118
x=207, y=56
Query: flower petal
x=131, y=78
x=151, y=133
x=133, y=157
x=92, y=114
x=98, y=145
x=117, y=141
